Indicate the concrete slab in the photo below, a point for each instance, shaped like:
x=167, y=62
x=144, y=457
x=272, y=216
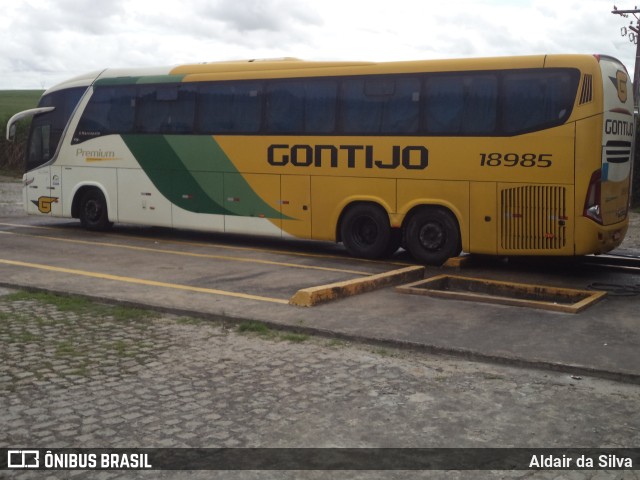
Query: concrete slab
x=239, y=278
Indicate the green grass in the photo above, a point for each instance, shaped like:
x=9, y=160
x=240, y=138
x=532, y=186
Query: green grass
x=81, y=305
x=14, y=101
x=262, y=330
x=67, y=349
x=62, y=302
x=294, y=337
x=255, y=327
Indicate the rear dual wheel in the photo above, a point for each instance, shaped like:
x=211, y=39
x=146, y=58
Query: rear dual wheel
x=432, y=236
x=366, y=233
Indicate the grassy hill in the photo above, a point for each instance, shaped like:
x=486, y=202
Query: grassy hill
x=11, y=102
x=14, y=101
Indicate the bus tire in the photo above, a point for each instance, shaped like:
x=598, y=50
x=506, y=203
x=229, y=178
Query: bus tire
x=432, y=236
x=365, y=231
x=93, y=211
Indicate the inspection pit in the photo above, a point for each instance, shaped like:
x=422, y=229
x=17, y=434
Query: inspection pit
x=505, y=293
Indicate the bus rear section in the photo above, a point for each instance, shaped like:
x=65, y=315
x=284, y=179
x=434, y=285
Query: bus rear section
x=606, y=191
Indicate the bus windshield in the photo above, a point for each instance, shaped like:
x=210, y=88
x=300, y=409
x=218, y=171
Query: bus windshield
x=47, y=128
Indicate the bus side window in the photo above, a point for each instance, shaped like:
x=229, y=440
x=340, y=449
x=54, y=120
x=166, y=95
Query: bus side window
x=461, y=104
x=230, y=108
x=321, y=103
x=444, y=104
x=307, y=106
x=110, y=110
x=166, y=109
x=402, y=111
x=536, y=100
x=285, y=107
x=380, y=105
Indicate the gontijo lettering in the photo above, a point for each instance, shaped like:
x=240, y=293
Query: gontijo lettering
x=618, y=127
x=412, y=157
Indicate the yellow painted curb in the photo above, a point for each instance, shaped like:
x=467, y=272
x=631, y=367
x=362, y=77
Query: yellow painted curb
x=308, y=297
x=458, y=262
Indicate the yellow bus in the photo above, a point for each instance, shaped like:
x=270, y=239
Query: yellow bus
x=506, y=156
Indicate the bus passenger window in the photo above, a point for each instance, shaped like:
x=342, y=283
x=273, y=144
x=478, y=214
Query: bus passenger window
x=230, y=108
x=537, y=99
x=461, y=104
x=380, y=105
x=305, y=106
x=285, y=107
x=444, y=105
x=402, y=111
x=166, y=109
x=110, y=110
x=321, y=98
x=360, y=114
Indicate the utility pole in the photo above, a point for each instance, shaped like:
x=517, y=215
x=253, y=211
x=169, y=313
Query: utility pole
x=633, y=38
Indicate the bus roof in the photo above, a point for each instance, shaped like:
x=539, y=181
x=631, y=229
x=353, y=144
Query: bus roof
x=293, y=67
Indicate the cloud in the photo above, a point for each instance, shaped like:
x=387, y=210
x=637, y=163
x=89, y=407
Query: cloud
x=273, y=16
x=47, y=41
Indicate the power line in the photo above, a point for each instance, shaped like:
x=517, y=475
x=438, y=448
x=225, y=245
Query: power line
x=633, y=38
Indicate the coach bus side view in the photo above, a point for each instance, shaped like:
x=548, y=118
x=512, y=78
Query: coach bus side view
x=503, y=156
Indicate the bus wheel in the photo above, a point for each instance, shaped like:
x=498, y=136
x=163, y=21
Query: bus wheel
x=433, y=236
x=93, y=210
x=365, y=231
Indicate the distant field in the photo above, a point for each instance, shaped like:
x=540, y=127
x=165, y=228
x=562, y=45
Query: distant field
x=12, y=154
x=14, y=101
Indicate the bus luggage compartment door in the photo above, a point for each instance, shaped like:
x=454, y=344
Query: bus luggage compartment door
x=483, y=219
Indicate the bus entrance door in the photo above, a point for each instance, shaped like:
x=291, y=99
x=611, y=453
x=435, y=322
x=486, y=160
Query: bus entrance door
x=55, y=191
x=39, y=198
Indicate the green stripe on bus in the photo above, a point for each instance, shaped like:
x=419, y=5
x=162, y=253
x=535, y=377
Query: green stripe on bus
x=148, y=79
x=193, y=172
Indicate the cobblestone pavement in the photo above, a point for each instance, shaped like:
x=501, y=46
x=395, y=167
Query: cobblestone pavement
x=77, y=374
x=11, y=197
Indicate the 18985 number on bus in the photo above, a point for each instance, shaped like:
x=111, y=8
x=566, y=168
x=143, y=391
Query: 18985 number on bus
x=541, y=160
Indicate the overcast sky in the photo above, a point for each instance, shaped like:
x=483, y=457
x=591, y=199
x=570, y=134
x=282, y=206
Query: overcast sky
x=43, y=42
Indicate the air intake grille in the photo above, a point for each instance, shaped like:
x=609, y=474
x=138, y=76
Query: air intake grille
x=617, y=151
x=587, y=89
x=533, y=218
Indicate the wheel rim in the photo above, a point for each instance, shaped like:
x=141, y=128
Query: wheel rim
x=432, y=236
x=365, y=231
